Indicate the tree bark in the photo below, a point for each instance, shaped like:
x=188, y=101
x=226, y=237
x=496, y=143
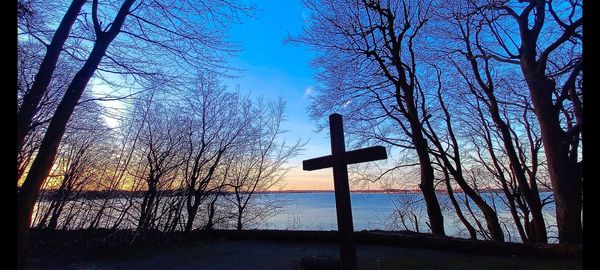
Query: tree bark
x=239, y=219
x=211, y=214
x=192, y=210
x=470, y=228
x=434, y=212
x=436, y=220
x=147, y=212
x=564, y=174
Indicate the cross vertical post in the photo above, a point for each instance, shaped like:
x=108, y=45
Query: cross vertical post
x=342, y=195
x=338, y=160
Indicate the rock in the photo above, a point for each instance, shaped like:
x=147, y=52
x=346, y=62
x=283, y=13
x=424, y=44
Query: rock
x=319, y=263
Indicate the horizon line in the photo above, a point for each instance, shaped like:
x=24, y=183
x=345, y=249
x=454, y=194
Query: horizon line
x=318, y=190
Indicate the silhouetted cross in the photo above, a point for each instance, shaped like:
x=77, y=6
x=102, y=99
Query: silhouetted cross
x=338, y=159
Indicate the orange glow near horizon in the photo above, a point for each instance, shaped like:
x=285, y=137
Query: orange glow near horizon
x=297, y=179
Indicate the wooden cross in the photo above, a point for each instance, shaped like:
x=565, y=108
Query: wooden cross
x=338, y=160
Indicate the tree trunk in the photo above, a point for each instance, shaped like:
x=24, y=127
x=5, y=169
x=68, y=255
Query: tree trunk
x=436, y=220
x=455, y=169
x=530, y=192
x=192, y=211
x=564, y=175
x=147, y=208
x=40, y=168
x=43, y=221
x=239, y=219
x=176, y=218
x=53, y=223
x=211, y=214
x=490, y=216
x=99, y=214
x=468, y=226
x=531, y=195
x=193, y=208
x=42, y=79
x=44, y=160
x=510, y=197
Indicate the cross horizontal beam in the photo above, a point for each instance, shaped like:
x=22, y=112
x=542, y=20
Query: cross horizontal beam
x=350, y=157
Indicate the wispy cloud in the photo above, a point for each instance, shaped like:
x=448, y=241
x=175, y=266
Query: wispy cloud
x=308, y=92
x=347, y=103
x=304, y=16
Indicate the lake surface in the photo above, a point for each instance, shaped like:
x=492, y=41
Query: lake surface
x=381, y=211
x=316, y=211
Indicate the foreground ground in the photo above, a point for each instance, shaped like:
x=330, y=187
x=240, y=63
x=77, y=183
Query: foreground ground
x=222, y=253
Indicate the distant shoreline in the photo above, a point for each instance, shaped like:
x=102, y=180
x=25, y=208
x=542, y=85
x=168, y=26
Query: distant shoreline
x=403, y=191
x=116, y=193
x=353, y=191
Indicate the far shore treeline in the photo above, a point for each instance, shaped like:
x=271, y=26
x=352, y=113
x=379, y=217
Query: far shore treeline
x=48, y=194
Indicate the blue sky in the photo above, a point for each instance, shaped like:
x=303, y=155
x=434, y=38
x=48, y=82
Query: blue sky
x=274, y=69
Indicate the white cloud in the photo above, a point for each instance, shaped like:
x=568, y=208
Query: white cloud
x=308, y=91
x=347, y=103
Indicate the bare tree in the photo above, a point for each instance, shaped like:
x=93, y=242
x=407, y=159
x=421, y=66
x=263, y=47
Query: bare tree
x=129, y=132
x=484, y=89
x=448, y=153
x=407, y=213
x=161, y=139
x=369, y=59
x=260, y=163
x=79, y=165
x=184, y=36
x=456, y=205
x=217, y=122
x=547, y=59
x=48, y=148
x=33, y=96
x=29, y=57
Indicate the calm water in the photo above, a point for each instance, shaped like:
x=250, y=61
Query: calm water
x=371, y=211
x=316, y=211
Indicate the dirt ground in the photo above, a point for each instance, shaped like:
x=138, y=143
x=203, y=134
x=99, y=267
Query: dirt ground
x=262, y=254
